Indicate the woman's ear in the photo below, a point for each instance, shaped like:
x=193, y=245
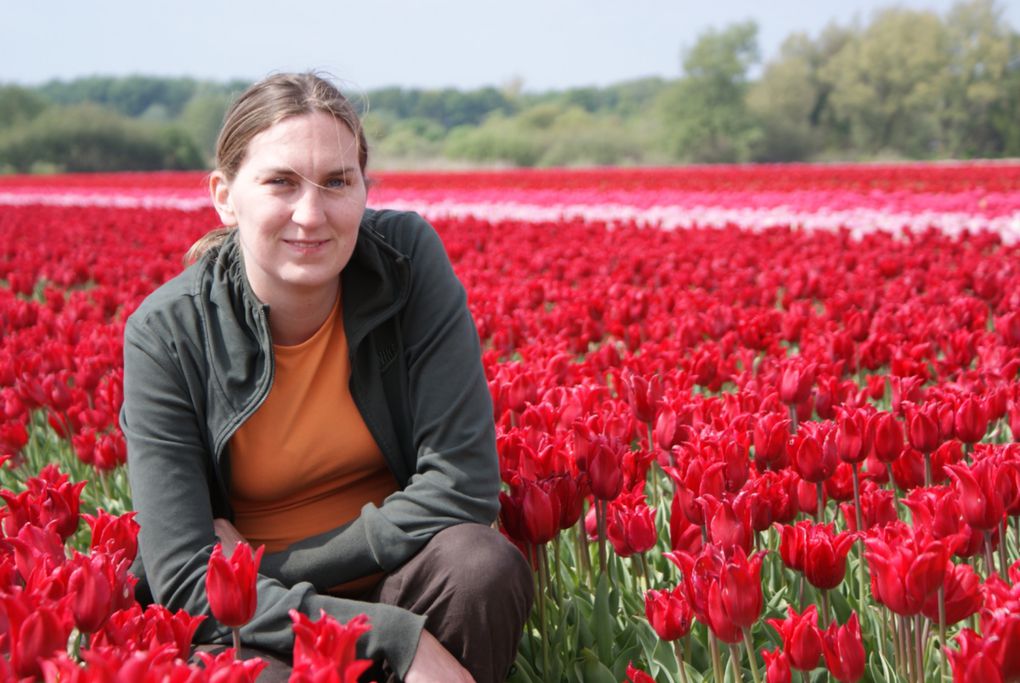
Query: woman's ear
x=219, y=190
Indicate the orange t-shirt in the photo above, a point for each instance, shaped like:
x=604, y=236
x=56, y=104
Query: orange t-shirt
x=305, y=462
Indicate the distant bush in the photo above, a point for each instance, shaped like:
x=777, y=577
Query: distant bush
x=89, y=138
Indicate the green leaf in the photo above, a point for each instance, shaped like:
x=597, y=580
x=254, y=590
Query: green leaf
x=594, y=671
x=603, y=620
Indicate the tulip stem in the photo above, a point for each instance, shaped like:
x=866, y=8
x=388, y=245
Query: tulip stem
x=582, y=549
x=735, y=659
x=751, y=661
x=942, y=632
x=653, y=473
x=903, y=640
x=820, y=503
x=989, y=564
x=557, y=584
x=857, y=498
x=717, y=667
x=1003, y=565
x=600, y=518
x=919, y=644
x=927, y=468
x=1016, y=533
x=236, y=633
x=645, y=572
x=542, y=597
x=824, y=612
x=679, y=651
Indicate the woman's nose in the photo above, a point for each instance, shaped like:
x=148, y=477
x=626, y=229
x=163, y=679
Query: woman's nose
x=309, y=209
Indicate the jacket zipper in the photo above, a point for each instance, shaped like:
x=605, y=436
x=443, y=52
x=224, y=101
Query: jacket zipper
x=242, y=417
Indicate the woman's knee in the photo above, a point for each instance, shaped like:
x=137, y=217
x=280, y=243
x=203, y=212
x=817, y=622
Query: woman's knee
x=481, y=561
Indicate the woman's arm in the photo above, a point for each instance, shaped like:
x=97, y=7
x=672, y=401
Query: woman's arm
x=169, y=471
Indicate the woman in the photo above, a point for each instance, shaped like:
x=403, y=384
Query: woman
x=313, y=383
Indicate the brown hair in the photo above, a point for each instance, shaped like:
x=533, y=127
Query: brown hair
x=260, y=107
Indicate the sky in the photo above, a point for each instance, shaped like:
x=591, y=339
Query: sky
x=540, y=44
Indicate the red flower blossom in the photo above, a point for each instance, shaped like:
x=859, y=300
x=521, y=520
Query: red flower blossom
x=230, y=584
x=802, y=641
x=668, y=612
x=844, y=651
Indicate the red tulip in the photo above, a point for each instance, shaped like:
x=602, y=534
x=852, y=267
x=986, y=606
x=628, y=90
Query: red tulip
x=962, y=590
x=795, y=382
x=540, y=512
x=771, y=432
x=906, y=567
x=982, y=488
x=668, y=612
x=635, y=675
x=729, y=524
x=230, y=584
x=601, y=458
x=225, y=667
x=844, y=651
x=111, y=533
x=631, y=527
x=702, y=582
x=817, y=551
x=34, y=630
x=851, y=435
x=91, y=592
x=777, y=666
x=802, y=642
x=740, y=587
x=328, y=646
x=886, y=436
x=643, y=395
x=878, y=507
x=971, y=420
x=814, y=454
x=923, y=428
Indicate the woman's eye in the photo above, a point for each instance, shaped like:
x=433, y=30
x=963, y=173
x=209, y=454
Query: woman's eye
x=279, y=181
x=334, y=183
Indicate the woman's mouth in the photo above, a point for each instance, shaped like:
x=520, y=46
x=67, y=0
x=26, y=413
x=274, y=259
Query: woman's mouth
x=306, y=245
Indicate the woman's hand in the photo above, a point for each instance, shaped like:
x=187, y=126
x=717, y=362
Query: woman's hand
x=228, y=534
x=433, y=663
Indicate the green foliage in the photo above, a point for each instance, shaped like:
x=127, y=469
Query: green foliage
x=706, y=112
x=202, y=117
x=89, y=138
x=18, y=105
x=885, y=82
x=548, y=134
x=448, y=107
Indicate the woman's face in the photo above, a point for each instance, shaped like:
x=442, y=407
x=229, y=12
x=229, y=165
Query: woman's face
x=297, y=201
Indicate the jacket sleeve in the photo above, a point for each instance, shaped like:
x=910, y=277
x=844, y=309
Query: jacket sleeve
x=456, y=473
x=168, y=469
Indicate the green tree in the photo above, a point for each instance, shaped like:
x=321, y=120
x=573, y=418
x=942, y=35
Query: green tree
x=19, y=104
x=89, y=138
x=705, y=114
x=885, y=83
x=202, y=118
x=791, y=100
x=983, y=56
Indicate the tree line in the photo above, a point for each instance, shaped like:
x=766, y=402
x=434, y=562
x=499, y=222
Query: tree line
x=906, y=84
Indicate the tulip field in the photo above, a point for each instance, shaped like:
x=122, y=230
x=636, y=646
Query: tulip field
x=755, y=423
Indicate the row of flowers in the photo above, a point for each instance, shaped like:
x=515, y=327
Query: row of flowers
x=723, y=450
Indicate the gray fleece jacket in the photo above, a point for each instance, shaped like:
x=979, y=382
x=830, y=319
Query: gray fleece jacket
x=198, y=362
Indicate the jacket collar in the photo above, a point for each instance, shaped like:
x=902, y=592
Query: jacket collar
x=375, y=283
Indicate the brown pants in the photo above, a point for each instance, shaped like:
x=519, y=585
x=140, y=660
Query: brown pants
x=475, y=590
